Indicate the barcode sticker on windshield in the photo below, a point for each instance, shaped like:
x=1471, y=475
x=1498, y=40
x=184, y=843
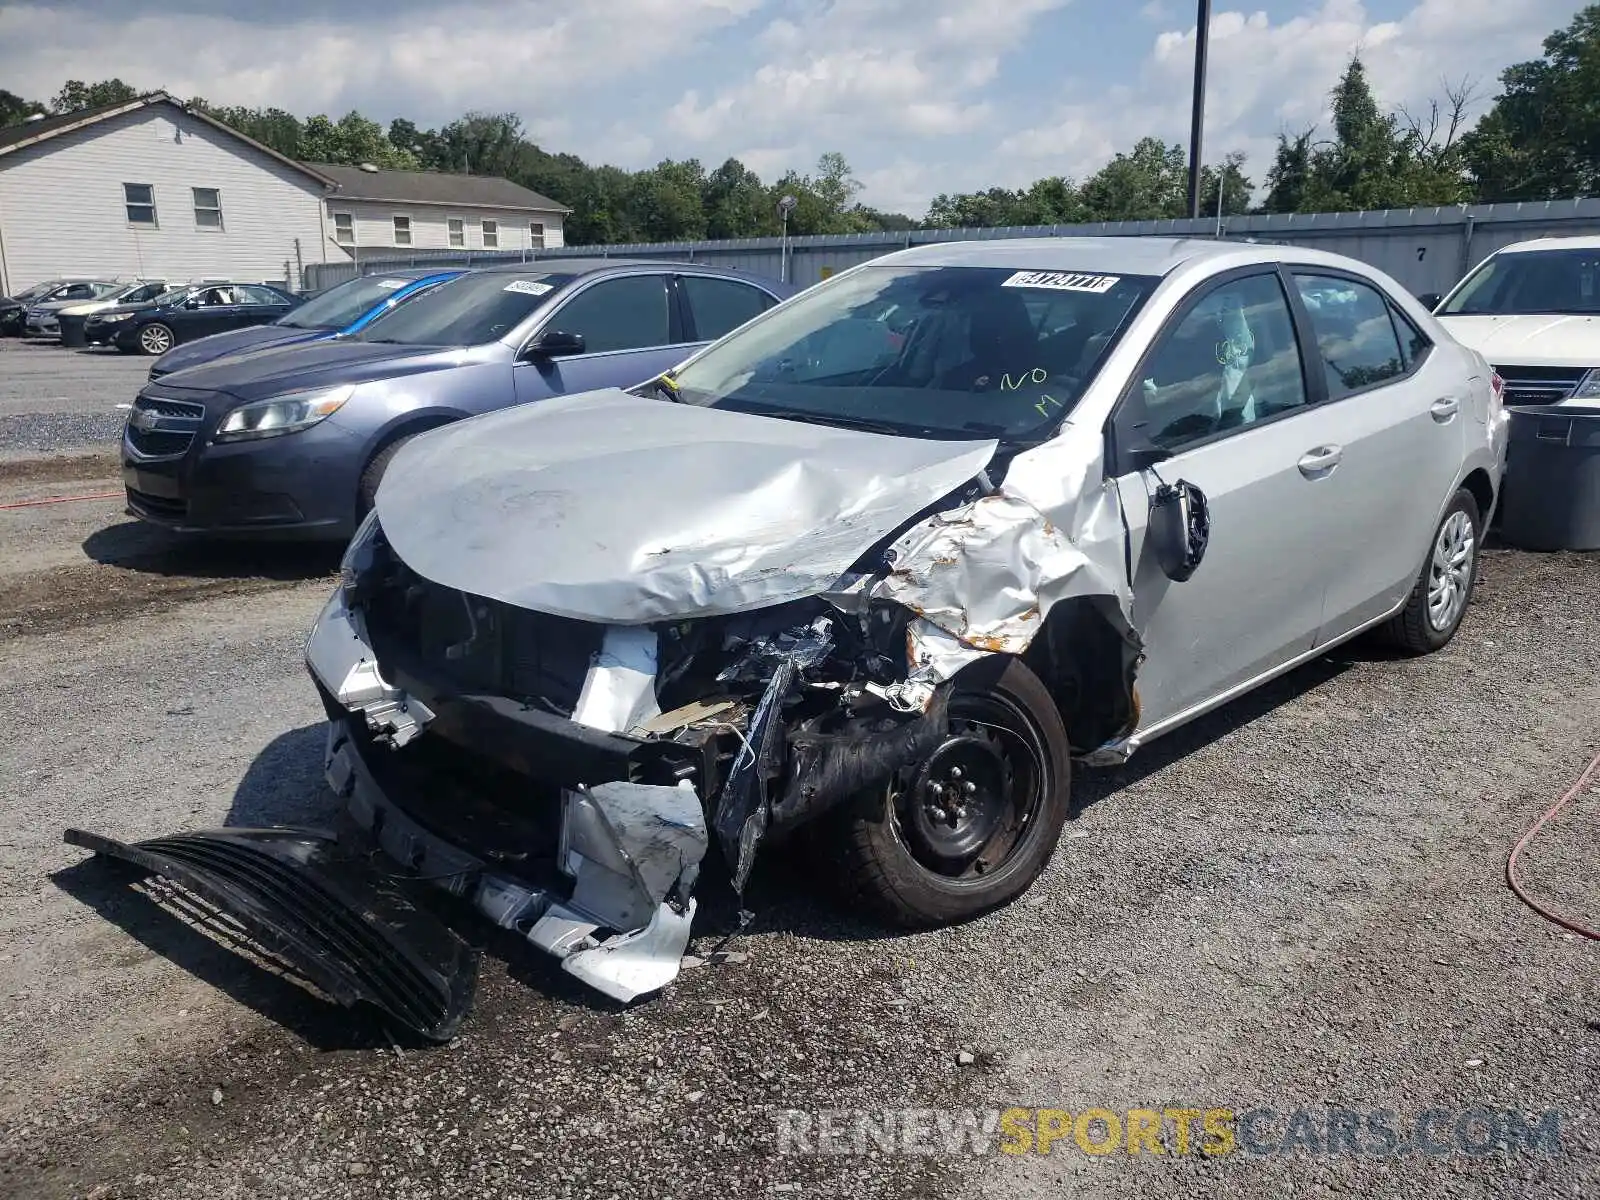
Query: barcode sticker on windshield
x=1063, y=281
x=528, y=287
x=391, y=284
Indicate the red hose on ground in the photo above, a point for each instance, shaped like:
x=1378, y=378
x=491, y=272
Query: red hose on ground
x=62, y=500
x=1590, y=772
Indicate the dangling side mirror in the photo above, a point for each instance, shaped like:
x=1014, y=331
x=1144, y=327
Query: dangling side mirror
x=1179, y=528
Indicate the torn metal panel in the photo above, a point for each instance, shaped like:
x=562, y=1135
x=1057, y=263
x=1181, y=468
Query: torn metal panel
x=342, y=923
x=338, y=654
x=619, y=690
x=742, y=808
x=983, y=577
x=624, y=510
x=631, y=846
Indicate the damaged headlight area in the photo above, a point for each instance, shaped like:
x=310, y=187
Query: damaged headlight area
x=563, y=778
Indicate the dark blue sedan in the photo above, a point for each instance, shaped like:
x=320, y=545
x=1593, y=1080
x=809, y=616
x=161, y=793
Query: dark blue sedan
x=291, y=442
x=345, y=308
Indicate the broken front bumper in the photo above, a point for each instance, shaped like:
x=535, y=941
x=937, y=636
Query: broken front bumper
x=615, y=906
x=631, y=850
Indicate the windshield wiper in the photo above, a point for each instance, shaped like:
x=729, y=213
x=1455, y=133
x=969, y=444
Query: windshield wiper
x=864, y=424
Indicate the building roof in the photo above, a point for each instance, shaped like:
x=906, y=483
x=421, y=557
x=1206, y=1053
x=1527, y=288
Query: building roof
x=435, y=187
x=29, y=133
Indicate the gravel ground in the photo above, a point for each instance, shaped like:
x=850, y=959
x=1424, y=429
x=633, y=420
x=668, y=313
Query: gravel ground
x=1297, y=902
x=54, y=399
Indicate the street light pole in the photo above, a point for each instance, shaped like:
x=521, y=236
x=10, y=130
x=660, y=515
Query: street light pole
x=1202, y=36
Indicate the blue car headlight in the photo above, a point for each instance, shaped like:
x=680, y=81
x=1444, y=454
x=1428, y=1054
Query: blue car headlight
x=289, y=413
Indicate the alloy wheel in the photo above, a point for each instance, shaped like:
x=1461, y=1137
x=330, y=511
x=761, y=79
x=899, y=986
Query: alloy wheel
x=1450, y=572
x=155, y=340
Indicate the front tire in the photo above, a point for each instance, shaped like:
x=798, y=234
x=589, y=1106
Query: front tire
x=156, y=339
x=971, y=828
x=1443, y=590
x=372, y=476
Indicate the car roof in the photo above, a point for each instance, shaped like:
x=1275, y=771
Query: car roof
x=595, y=266
x=1124, y=255
x=1591, y=242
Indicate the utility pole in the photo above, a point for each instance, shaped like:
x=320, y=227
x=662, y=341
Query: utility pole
x=1202, y=35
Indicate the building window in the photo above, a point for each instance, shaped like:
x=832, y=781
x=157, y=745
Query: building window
x=140, y=199
x=458, y=231
x=491, y=235
x=207, y=208
x=402, y=231
x=536, y=235
x=344, y=229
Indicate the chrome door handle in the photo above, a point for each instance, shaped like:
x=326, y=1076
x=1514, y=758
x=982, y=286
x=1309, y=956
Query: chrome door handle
x=1444, y=408
x=1314, y=464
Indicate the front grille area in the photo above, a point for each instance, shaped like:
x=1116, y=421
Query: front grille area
x=1539, y=385
x=157, y=506
x=483, y=645
x=161, y=427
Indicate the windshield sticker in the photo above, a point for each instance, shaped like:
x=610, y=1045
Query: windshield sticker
x=391, y=283
x=528, y=287
x=1063, y=281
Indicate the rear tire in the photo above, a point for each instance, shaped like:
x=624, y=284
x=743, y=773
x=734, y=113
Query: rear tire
x=911, y=860
x=1443, y=590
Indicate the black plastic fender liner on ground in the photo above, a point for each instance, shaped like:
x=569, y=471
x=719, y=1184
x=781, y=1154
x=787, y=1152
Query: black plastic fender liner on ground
x=334, y=917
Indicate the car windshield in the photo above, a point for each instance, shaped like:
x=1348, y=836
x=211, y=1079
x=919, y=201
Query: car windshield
x=1530, y=281
x=38, y=290
x=466, y=311
x=340, y=306
x=940, y=352
x=129, y=291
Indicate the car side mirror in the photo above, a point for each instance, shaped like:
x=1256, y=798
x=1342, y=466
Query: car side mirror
x=192, y=302
x=1429, y=300
x=1179, y=529
x=555, y=343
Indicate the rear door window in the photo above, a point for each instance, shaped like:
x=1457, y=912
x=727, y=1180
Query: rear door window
x=1356, y=337
x=629, y=313
x=720, y=306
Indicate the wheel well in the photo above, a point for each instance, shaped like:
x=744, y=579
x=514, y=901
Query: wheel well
x=1089, y=666
x=1482, y=491
x=419, y=425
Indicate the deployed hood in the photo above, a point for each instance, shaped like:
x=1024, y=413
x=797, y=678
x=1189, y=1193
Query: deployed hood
x=234, y=341
x=301, y=365
x=1534, y=340
x=609, y=507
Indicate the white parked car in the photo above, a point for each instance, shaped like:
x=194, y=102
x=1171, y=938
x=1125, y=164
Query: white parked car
x=1533, y=310
x=880, y=562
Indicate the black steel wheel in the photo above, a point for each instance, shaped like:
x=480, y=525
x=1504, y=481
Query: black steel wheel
x=971, y=827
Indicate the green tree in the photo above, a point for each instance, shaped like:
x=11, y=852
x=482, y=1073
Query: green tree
x=350, y=141
x=1148, y=183
x=735, y=203
x=75, y=94
x=665, y=201
x=1541, y=138
x=271, y=127
x=14, y=109
x=1290, y=176
x=1236, y=186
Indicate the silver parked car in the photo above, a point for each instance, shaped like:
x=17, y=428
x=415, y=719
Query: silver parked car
x=878, y=564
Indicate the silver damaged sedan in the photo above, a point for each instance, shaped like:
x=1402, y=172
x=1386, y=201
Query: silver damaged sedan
x=877, y=566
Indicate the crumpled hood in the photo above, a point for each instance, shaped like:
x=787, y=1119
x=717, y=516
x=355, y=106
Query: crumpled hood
x=1535, y=340
x=610, y=507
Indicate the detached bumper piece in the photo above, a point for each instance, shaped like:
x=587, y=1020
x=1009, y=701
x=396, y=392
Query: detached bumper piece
x=345, y=926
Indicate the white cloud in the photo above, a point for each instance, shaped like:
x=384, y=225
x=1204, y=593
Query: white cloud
x=1265, y=77
x=429, y=63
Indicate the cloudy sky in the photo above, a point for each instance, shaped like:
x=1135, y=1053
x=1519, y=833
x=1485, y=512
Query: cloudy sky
x=922, y=96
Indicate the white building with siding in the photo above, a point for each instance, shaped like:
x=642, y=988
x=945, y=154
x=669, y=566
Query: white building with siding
x=388, y=213
x=149, y=189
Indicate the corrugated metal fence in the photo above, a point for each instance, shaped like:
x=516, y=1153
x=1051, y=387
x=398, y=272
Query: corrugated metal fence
x=1426, y=249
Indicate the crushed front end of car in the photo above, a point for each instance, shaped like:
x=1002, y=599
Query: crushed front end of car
x=581, y=645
